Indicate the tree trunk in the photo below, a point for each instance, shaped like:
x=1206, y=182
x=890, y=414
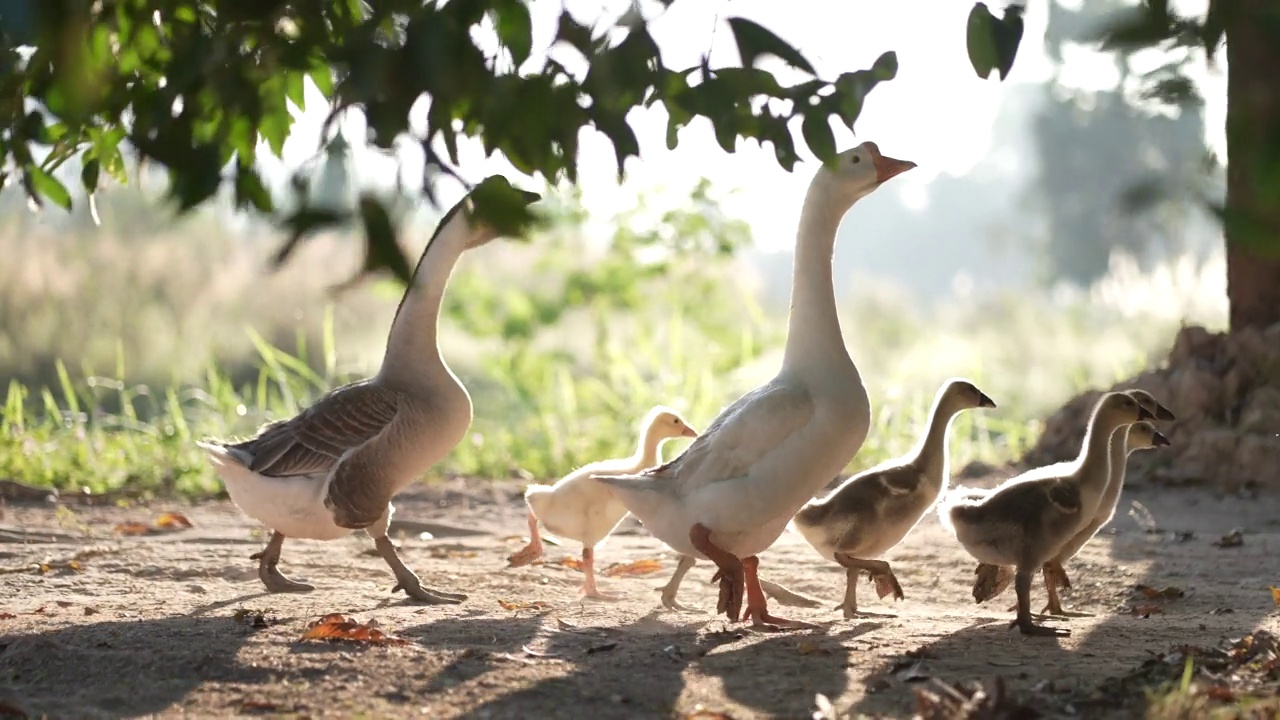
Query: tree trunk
x=1252, y=224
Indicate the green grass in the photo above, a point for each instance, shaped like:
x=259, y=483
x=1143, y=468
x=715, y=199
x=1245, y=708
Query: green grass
x=125, y=350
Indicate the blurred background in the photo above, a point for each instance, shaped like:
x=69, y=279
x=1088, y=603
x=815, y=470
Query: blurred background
x=1052, y=239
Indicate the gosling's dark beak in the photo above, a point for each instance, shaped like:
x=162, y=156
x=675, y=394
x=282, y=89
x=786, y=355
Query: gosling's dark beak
x=984, y=401
x=1164, y=413
x=528, y=197
x=1159, y=440
x=689, y=432
x=1145, y=414
x=887, y=167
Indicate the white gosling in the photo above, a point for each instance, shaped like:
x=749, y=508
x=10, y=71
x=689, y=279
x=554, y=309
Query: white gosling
x=579, y=507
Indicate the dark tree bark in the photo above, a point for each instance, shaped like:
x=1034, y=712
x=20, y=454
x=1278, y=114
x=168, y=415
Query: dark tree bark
x=1253, y=162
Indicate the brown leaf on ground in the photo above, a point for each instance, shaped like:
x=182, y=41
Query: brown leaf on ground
x=646, y=566
x=7, y=616
x=1146, y=610
x=46, y=568
x=1169, y=593
x=90, y=610
x=957, y=702
x=336, y=626
x=571, y=562
x=1275, y=595
x=809, y=647
x=259, y=706
x=166, y=522
x=1235, y=538
x=133, y=527
x=173, y=521
x=523, y=605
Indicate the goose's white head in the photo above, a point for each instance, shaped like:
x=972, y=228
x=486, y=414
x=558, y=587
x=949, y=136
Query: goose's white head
x=663, y=423
x=857, y=172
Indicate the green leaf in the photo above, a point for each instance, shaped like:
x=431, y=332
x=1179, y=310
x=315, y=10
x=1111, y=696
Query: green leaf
x=515, y=30
x=295, y=88
x=381, y=249
x=322, y=76
x=980, y=40
x=274, y=128
x=250, y=191
x=302, y=223
x=89, y=175
x=47, y=185
x=1008, y=38
x=755, y=40
x=817, y=134
x=503, y=206
x=1143, y=27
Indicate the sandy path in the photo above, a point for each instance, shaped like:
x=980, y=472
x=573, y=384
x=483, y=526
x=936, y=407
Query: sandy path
x=149, y=626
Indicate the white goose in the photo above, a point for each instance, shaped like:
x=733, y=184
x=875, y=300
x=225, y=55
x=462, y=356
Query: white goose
x=732, y=492
x=580, y=508
x=335, y=467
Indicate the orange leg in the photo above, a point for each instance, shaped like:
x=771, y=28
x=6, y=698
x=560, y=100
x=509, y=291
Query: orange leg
x=731, y=575
x=757, y=605
x=589, y=588
x=530, y=552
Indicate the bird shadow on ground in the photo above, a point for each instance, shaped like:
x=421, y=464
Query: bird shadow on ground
x=123, y=668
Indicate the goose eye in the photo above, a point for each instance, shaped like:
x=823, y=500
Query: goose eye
x=856, y=159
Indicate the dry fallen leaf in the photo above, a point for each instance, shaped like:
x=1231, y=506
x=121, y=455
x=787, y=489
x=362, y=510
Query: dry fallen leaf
x=173, y=521
x=809, y=647
x=90, y=610
x=132, y=527
x=1220, y=692
x=336, y=626
x=522, y=605
x=639, y=567
x=1146, y=610
x=7, y=616
x=259, y=706
x=571, y=562
x=1235, y=538
x=1151, y=593
x=1275, y=595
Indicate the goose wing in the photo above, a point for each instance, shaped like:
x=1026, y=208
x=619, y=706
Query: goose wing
x=757, y=424
x=317, y=438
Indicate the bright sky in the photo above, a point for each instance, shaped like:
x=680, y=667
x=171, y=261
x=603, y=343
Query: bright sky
x=937, y=112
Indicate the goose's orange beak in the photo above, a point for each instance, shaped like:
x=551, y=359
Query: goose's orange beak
x=689, y=432
x=887, y=167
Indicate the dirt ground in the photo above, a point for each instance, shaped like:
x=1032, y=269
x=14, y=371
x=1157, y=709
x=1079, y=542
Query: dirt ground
x=149, y=624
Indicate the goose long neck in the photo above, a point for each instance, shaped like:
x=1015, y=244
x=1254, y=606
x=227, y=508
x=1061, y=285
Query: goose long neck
x=1095, y=458
x=930, y=453
x=647, y=451
x=1119, y=452
x=813, y=332
x=413, y=347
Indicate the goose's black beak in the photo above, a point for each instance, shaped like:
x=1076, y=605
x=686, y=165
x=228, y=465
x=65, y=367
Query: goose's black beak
x=1145, y=414
x=1158, y=440
x=984, y=401
x=1164, y=413
x=528, y=197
